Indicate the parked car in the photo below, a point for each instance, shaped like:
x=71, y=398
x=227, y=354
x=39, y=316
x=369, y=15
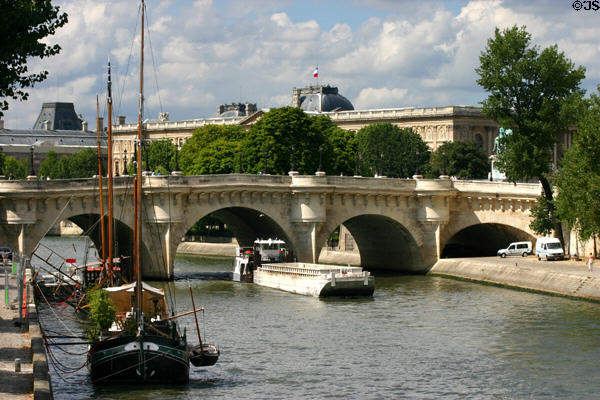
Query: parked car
x=549, y=248
x=5, y=252
x=516, y=249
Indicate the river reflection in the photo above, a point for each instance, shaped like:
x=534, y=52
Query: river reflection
x=419, y=337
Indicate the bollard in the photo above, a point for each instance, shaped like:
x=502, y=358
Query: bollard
x=17, y=365
x=6, y=287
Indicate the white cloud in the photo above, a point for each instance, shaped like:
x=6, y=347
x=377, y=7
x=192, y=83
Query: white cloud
x=379, y=98
x=208, y=52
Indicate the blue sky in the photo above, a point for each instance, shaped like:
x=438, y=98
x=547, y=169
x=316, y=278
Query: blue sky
x=380, y=53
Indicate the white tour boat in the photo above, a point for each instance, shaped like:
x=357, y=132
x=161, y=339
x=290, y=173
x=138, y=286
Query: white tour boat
x=309, y=279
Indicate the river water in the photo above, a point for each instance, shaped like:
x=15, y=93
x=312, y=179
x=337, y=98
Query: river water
x=419, y=337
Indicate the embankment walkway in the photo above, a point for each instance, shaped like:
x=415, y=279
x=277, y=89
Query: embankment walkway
x=565, y=278
x=20, y=338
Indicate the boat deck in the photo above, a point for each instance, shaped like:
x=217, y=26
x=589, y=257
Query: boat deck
x=309, y=269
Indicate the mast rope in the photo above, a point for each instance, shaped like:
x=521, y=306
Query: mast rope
x=124, y=78
x=154, y=230
x=154, y=67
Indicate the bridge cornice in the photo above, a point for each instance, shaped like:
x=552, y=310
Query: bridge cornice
x=307, y=184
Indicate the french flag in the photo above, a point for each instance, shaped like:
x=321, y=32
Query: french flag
x=316, y=72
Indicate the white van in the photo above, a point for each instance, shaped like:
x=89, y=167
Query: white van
x=549, y=248
x=516, y=249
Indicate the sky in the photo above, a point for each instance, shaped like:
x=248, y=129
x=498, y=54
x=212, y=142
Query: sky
x=203, y=53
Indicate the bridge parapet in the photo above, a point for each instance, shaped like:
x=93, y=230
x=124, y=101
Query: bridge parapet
x=305, y=208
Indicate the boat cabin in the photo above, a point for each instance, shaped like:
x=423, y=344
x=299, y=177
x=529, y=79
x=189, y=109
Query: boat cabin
x=270, y=250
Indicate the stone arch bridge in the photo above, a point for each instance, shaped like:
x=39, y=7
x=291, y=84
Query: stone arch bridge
x=404, y=225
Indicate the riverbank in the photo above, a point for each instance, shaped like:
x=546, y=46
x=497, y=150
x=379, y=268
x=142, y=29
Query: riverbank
x=27, y=378
x=229, y=250
x=564, y=278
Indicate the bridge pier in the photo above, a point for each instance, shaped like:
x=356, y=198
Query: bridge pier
x=432, y=246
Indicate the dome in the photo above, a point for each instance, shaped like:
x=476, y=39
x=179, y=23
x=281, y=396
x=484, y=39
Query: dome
x=324, y=99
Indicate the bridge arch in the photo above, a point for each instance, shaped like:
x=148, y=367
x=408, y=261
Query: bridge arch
x=473, y=237
x=385, y=243
x=246, y=223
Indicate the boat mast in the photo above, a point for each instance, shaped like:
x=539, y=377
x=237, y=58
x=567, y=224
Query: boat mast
x=138, y=187
x=102, y=238
x=110, y=179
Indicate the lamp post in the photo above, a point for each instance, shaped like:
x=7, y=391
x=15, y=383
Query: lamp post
x=1, y=172
x=443, y=162
x=382, y=162
x=176, y=171
x=31, y=170
x=320, y=159
x=265, y=170
x=417, y=174
x=357, y=167
x=293, y=155
x=147, y=169
x=125, y=172
x=417, y=171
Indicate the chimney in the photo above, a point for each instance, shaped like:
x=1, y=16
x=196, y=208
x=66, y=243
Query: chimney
x=295, y=97
x=84, y=126
x=46, y=125
x=101, y=124
x=1, y=124
x=121, y=119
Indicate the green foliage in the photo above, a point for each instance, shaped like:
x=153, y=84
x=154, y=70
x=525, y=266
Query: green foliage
x=212, y=149
x=49, y=167
x=102, y=309
x=530, y=92
x=2, y=160
x=578, y=180
x=339, y=147
x=404, y=152
x=24, y=27
x=268, y=144
x=541, y=223
x=160, y=170
x=18, y=168
x=461, y=159
x=161, y=155
x=210, y=226
x=83, y=164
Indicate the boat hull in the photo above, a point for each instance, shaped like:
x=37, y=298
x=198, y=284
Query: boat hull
x=119, y=361
x=306, y=279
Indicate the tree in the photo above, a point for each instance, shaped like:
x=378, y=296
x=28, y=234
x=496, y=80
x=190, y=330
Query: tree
x=578, y=180
x=18, y=168
x=386, y=148
x=269, y=142
x=83, y=164
x=2, y=161
x=24, y=24
x=212, y=149
x=531, y=92
x=339, y=146
x=49, y=167
x=161, y=155
x=464, y=160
